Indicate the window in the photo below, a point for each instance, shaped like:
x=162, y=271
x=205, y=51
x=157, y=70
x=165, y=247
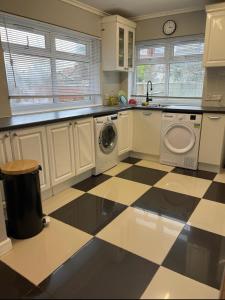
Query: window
x=174, y=66
x=48, y=66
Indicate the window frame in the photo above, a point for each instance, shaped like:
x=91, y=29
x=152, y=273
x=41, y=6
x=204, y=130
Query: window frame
x=168, y=59
x=51, y=32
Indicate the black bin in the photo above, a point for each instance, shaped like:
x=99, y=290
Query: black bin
x=23, y=198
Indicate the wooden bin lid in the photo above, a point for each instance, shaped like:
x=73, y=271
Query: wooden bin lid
x=19, y=167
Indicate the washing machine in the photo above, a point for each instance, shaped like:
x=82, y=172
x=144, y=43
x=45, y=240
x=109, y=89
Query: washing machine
x=106, y=143
x=180, y=138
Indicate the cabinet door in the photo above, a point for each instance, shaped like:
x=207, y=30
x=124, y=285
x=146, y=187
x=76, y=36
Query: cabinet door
x=61, y=151
x=147, y=132
x=5, y=148
x=84, y=145
x=121, y=48
x=212, y=139
x=32, y=144
x=131, y=44
x=5, y=154
x=214, y=45
x=124, y=132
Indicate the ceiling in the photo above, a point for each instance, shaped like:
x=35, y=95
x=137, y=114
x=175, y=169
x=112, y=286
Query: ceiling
x=136, y=8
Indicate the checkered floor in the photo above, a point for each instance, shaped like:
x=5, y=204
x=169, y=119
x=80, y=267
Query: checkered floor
x=141, y=230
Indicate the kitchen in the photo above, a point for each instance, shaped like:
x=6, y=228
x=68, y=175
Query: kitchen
x=134, y=191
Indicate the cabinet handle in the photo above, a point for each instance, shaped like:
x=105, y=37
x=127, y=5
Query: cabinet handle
x=15, y=134
x=214, y=117
x=6, y=136
x=70, y=123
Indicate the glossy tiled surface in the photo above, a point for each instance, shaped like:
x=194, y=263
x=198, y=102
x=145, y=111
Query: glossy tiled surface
x=142, y=233
x=12, y=284
x=195, y=173
x=154, y=165
x=210, y=216
x=163, y=287
x=120, y=190
x=91, y=182
x=131, y=160
x=142, y=175
x=216, y=192
x=183, y=184
x=220, y=177
x=198, y=254
x=168, y=204
x=38, y=257
x=101, y=271
x=141, y=230
x=118, y=169
x=89, y=213
x=59, y=200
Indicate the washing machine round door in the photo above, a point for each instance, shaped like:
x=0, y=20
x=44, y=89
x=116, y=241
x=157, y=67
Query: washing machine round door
x=108, y=138
x=179, y=138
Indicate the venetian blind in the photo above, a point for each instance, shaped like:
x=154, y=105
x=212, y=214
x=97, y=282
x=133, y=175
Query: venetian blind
x=175, y=66
x=47, y=64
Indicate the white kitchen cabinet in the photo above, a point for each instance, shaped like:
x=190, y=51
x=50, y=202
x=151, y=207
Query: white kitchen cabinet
x=118, y=40
x=147, y=132
x=212, y=139
x=5, y=148
x=124, y=132
x=84, y=145
x=214, y=38
x=61, y=152
x=5, y=154
x=31, y=143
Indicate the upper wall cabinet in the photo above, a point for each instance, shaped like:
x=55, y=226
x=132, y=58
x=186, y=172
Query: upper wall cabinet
x=118, y=40
x=215, y=33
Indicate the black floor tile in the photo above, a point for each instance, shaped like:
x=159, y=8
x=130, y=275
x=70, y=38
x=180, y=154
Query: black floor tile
x=101, y=271
x=169, y=204
x=131, y=160
x=142, y=175
x=37, y=293
x=91, y=182
x=13, y=285
x=199, y=255
x=195, y=173
x=216, y=192
x=89, y=213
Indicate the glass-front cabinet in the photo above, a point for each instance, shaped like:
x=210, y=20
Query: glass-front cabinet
x=118, y=38
x=130, y=49
x=121, y=50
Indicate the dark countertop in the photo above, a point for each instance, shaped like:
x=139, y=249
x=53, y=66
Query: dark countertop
x=30, y=120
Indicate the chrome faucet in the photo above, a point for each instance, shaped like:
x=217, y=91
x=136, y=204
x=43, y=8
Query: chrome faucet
x=147, y=96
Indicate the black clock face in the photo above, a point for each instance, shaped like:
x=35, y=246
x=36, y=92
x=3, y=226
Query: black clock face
x=169, y=27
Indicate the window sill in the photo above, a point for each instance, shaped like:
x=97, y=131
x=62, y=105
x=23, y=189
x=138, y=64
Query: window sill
x=30, y=109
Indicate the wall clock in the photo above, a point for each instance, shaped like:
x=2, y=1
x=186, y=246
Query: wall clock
x=169, y=27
